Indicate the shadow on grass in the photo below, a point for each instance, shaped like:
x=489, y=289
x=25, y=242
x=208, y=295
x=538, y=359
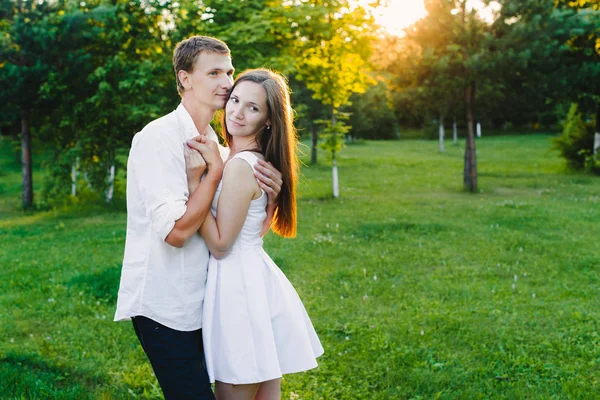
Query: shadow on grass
x=396, y=230
x=100, y=284
x=281, y=262
x=29, y=376
x=511, y=174
x=44, y=216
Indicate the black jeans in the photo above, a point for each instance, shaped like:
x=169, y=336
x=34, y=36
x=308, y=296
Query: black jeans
x=177, y=359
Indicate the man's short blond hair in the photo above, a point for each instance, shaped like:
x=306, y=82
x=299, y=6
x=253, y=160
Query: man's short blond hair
x=187, y=51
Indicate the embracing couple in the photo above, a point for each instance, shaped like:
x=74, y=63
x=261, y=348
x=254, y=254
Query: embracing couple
x=207, y=303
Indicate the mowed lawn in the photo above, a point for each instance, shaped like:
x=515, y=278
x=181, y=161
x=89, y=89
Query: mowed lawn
x=417, y=289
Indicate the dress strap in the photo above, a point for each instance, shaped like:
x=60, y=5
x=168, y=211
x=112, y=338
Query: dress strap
x=247, y=156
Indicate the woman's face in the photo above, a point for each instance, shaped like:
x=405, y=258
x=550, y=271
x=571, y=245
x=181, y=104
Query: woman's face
x=246, y=110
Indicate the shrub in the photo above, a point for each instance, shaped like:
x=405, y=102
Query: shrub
x=372, y=116
x=576, y=140
x=592, y=161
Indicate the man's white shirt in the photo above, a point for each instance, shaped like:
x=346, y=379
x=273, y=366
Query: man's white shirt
x=159, y=281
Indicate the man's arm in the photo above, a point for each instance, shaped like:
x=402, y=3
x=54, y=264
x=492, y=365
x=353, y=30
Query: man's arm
x=159, y=174
x=198, y=207
x=266, y=226
x=269, y=180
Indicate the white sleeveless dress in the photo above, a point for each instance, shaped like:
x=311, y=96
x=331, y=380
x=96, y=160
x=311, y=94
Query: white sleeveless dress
x=254, y=325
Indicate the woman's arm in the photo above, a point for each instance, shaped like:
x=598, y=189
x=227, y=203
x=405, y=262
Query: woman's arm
x=238, y=189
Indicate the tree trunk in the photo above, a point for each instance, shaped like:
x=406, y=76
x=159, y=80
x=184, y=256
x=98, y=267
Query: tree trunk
x=313, y=149
x=442, y=133
x=111, y=183
x=470, y=171
x=17, y=149
x=74, y=179
x=597, y=132
x=454, y=131
x=26, y=159
x=334, y=170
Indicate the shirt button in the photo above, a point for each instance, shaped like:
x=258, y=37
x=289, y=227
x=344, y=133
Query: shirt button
x=167, y=193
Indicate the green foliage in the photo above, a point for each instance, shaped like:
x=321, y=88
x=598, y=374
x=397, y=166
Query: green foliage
x=576, y=140
x=258, y=32
x=371, y=114
x=331, y=55
x=592, y=161
x=531, y=57
x=332, y=135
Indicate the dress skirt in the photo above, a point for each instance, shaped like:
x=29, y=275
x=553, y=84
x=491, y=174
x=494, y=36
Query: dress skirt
x=255, y=327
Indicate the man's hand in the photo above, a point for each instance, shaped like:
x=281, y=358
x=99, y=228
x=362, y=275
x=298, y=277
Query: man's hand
x=209, y=150
x=195, y=166
x=269, y=180
x=266, y=225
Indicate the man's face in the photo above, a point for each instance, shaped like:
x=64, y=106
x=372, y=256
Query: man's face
x=210, y=81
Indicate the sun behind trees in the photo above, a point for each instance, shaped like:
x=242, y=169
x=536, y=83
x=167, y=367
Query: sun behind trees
x=515, y=67
x=81, y=78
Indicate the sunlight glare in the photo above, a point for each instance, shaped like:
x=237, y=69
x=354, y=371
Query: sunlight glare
x=398, y=14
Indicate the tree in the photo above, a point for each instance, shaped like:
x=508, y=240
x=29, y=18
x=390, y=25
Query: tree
x=258, y=32
x=371, y=114
x=448, y=54
x=28, y=55
x=331, y=56
x=428, y=65
x=132, y=84
x=117, y=78
x=556, y=46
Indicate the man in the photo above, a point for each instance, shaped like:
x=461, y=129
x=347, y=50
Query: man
x=165, y=263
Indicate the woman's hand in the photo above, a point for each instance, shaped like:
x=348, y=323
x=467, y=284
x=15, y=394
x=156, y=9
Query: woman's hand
x=195, y=166
x=209, y=149
x=269, y=180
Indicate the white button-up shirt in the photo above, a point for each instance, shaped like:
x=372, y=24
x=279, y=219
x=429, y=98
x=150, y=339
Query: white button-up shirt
x=159, y=281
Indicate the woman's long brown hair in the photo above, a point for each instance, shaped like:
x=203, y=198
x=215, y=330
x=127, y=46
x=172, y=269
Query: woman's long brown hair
x=278, y=144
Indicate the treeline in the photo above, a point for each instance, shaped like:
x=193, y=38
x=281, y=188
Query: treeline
x=521, y=64
x=81, y=77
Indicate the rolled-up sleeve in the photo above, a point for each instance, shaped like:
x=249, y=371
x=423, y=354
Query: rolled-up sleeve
x=159, y=168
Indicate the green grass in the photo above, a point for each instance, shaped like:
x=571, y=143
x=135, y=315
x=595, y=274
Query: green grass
x=417, y=289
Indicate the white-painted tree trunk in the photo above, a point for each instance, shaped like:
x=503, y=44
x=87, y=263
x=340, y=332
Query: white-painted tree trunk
x=111, y=183
x=454, y=131
x=334, y=171
x=74, y=179
x=596, y=142
x=442, y=133
x=479, y=129
x=334, y=175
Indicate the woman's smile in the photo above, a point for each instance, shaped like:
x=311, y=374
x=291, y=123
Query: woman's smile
x=235, y=123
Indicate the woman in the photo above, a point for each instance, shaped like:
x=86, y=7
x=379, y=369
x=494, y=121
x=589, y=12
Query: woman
x=255, y=327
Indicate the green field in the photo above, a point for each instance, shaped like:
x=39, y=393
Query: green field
x=417, y=289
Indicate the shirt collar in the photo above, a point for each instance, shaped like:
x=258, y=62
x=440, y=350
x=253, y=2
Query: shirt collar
x=188, y=127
